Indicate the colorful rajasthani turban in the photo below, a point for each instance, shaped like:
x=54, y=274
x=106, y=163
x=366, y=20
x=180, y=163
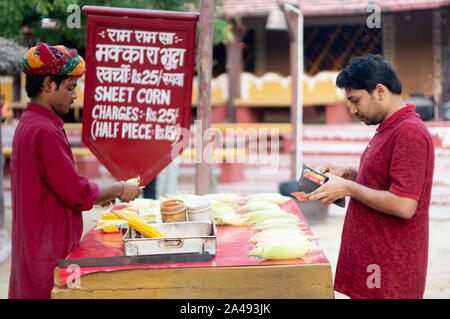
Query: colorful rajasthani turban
x=45, y=59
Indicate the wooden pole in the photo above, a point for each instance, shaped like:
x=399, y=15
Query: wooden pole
x=204, y=73
x=292, y=22
x=234, y=69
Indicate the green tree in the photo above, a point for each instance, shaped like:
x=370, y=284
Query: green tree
x=17, y=14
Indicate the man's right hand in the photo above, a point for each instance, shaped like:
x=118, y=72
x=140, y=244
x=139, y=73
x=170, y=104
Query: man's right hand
x=130, y=192
x=344, y=172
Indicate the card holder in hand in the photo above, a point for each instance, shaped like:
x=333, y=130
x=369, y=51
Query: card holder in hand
x=311, y=180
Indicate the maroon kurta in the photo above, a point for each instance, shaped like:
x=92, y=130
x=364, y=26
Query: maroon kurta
x=384, y=256
x=48, y=197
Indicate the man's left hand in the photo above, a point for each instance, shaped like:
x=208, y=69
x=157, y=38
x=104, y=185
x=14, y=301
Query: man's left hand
x=335, y=188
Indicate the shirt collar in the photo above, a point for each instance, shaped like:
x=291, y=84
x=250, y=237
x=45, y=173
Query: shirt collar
x=45, y=112
x=409, y=108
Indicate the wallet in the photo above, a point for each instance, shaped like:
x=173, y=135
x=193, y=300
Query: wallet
x=311, y=180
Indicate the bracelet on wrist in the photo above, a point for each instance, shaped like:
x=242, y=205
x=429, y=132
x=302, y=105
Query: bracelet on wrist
x=123, y=187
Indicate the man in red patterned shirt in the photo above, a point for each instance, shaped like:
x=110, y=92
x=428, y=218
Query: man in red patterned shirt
x=384, y=245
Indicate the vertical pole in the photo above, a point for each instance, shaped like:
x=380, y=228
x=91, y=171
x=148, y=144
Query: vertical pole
x=299, y=145
x=234, y=69
x=294, y=18
x=292, y=21
x=437, y=61
x=204, y=69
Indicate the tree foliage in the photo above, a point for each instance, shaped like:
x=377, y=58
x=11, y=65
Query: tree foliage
x=17, y=14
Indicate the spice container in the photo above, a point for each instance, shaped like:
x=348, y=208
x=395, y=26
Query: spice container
x=173, y=210
x=199, y=209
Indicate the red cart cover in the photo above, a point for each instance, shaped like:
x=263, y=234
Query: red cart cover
x=233, y=246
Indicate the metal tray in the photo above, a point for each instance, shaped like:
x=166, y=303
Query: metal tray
x=198, y=237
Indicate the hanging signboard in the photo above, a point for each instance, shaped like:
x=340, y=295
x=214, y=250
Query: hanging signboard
x=138, y=87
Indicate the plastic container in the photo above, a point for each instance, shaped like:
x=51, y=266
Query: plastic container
x=200, y=209
x=173, y=210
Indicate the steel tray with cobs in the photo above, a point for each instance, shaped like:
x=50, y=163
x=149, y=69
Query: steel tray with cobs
x=196, y=237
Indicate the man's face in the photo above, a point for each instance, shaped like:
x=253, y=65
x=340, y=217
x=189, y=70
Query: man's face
x=62, y=98
x=365, y=106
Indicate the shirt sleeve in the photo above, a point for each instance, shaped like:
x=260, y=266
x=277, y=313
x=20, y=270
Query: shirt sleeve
x=60, y=174
x=409, y=162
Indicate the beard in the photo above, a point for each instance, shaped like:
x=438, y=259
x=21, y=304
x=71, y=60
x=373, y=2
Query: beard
x=366, y=120
x=377, y=116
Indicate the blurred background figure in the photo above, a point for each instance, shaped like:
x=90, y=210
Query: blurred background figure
x=4, y=108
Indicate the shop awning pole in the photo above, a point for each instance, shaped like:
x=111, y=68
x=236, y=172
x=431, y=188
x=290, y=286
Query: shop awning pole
x=204, y=74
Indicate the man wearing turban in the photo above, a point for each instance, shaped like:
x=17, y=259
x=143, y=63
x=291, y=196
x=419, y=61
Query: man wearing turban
x=48, y=195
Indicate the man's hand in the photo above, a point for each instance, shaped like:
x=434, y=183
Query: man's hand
x=336, y=188
x=130, y=192
x=122, y=190
x=108, y=203
x=344, y=172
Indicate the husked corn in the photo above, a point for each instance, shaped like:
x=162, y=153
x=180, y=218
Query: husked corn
x=276, y=227
x=110, y=229
x=258, y=205
x=143, y=228
x=138, y=224
x=282, y=250
x=275, y=198
x=109, y=225
x=135, y=180
x=282, y=214
x=263, y=212
x=224, y=197
x=111, y=215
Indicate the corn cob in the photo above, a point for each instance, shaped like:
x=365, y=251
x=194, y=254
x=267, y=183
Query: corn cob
x=110, y=215
x=276, y=227
x=275, y=198
x=143, y=203
x=277, y=223
x=136, y=180
x=282, y=251
x=229, y=219
x=258, y=205
x=110, y=229
x=143, y=228
x=259, y=213
x=219, y=210
x=150, y=214
x=255, y=219
x=139, y=225
x=109, y=225
x=229, y=198
x=276, y=233
x=103, y=222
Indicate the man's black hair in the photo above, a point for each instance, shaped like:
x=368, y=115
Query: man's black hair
x=33, y=83
x=368, y=71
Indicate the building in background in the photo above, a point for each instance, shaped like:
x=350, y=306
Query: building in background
x=252, y=78
x=411, y=34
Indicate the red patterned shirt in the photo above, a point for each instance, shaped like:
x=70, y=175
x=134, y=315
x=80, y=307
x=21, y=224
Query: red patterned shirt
x=48, y=197
x=383, y=256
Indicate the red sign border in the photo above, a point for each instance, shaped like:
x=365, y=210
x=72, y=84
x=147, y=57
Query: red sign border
x=185, y=21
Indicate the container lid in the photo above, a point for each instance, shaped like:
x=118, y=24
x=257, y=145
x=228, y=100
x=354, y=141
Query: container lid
x=197, y=204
